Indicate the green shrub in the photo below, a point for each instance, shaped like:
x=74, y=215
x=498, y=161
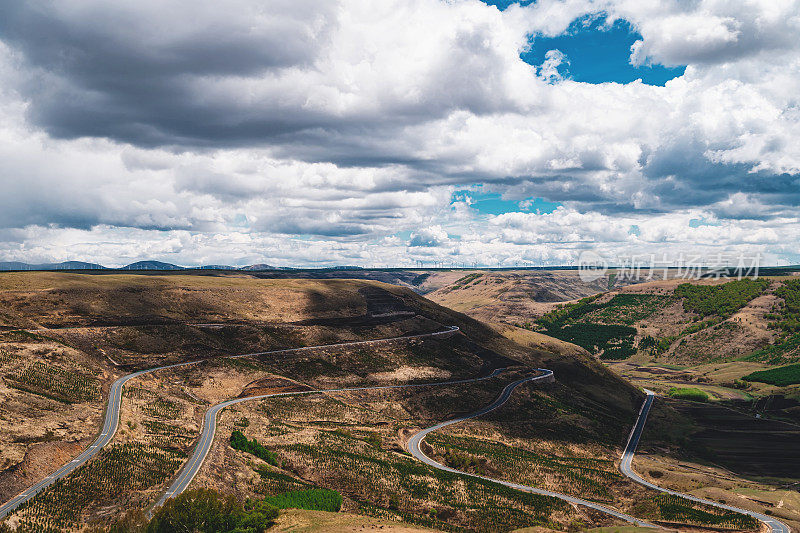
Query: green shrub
x=616, y=342
x=374, y=439
x=790, y=312
x=778, y=353
x=240, y=442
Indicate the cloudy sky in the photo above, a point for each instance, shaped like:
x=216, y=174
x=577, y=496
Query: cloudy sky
x=360, y=132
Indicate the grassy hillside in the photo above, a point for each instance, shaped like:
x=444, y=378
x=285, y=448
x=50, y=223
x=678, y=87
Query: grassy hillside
x=66, y=337
x=724, y=341
x=512, y=296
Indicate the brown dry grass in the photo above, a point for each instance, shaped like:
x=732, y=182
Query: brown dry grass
x=300, y=521
x=514, y=297
x=60, y=299
x=39, y=433
x=715, y=483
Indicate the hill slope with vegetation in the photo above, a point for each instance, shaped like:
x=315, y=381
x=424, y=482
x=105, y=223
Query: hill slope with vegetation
x=65, y=337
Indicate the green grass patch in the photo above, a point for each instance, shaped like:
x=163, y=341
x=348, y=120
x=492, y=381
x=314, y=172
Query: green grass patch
x=310, y=499
x=781, y=376
x=688, y=393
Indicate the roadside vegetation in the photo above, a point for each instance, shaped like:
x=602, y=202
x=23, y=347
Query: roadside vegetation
x=580, y=476
x=673, y=509
x=118, y=471
x=364, y=472
x=201, y=511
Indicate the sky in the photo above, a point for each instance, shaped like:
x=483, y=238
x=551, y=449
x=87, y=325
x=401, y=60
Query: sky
x=398, y=132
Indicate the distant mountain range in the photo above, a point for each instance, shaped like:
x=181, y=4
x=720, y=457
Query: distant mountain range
x=139, y=265
x=66, y=265
x=151, y=265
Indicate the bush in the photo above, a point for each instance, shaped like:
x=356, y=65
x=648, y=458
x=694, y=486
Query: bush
x=694, y=395
x=207, y=511
x=374, y=439
x=240, y=442
x=311, y=499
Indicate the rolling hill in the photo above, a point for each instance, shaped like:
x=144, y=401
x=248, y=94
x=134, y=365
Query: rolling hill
x=65, y=337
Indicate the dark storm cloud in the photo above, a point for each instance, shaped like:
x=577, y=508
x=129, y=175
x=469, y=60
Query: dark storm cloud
x=130, y=72
x=206, y=74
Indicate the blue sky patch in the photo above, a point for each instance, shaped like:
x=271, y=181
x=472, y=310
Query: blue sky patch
x=697, y=222
x=502, y=4
x=599, y=53
x=492, y=203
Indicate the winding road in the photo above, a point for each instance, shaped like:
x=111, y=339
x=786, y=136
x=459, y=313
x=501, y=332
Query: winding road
x=415, y=441
x=191, y=468
x=203, y=447
x=201, y=450
x=774, y=525
x=111, y=421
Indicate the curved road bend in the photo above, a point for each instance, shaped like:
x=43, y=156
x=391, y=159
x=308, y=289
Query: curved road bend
x=773, y=525
x=113, y=409
x=416, y=440
x=210, y=425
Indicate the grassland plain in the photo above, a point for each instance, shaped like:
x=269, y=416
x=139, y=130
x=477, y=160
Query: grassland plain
x=100, y=327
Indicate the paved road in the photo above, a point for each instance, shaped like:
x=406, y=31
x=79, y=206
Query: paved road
x=416, y=440
x=210, y=425
x=115, y=399
x=627, y=469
